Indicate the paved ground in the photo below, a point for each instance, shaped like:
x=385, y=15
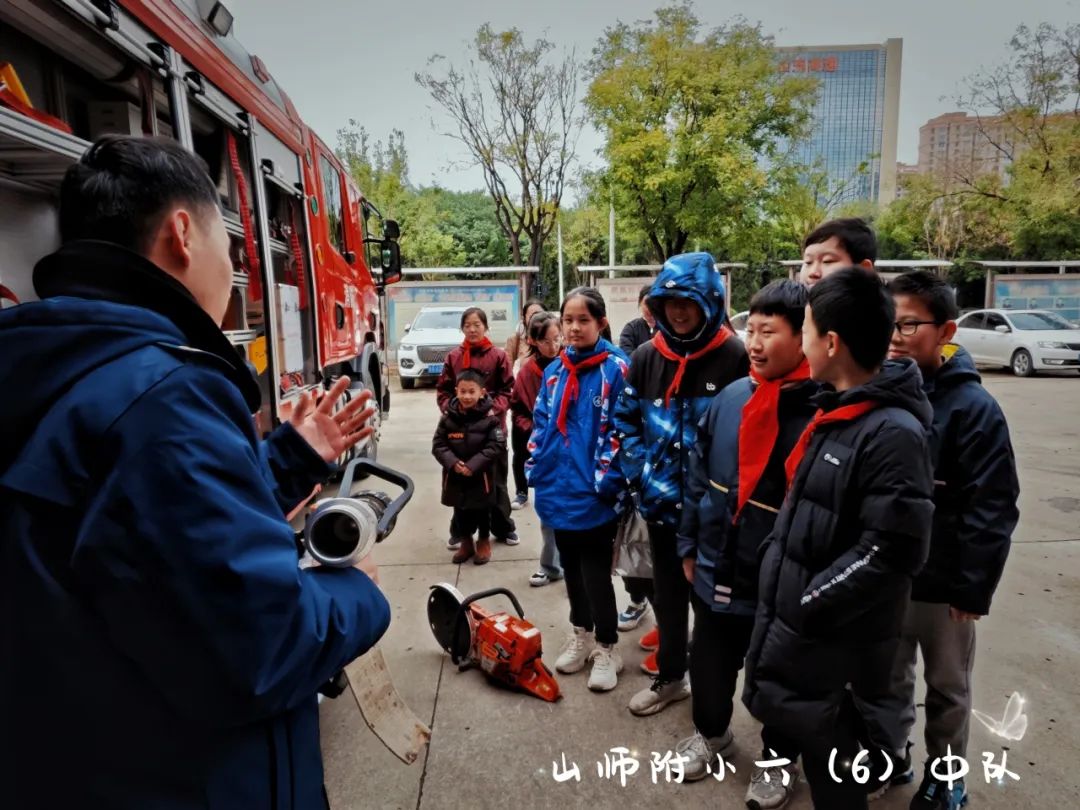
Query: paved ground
x=493, y=748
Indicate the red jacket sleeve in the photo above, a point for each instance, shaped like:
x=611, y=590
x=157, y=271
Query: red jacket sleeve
x=523, y=398
x=444, y=388
x=502, y=383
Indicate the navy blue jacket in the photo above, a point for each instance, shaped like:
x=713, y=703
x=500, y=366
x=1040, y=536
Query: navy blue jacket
x=656, y=437
x=975, y=490
x=726, y=552
x=161, y=648
x=577, y=483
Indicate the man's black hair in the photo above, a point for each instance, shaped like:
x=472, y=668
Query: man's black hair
x=643, y=293
x=932, y=290
x=122, y=186
x=853, y=233
x=473, y=376
x=855, y=305
x=782, y=297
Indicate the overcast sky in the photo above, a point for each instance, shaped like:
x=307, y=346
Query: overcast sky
x=340, y=60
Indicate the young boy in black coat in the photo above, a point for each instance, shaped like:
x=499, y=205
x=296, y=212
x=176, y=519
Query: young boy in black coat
x=467, y=443
x=975, y=494
x=836, y=571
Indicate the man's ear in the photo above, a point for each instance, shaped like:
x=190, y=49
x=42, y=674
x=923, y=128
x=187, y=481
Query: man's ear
x=175, y=236
x=948, y=332
x=834, y=344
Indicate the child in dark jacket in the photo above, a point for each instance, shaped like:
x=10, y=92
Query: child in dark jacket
x=736, y=487
x=477, y=353
x=578, y=487
x=836, y=571
x=545, y=340
x=671, y=382
x=468, y=443
x=975, y=512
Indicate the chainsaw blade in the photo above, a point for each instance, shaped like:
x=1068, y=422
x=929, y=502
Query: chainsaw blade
x=445, y=617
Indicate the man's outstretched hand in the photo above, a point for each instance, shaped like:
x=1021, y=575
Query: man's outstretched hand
x=331, y=434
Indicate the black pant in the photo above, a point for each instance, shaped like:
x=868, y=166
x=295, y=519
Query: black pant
x=586, y=562
x=671, y=601
x=717, y=652
x=825, y=792
x=472, y=521
x=519, y=439
x=639, y=589
x=502, y=525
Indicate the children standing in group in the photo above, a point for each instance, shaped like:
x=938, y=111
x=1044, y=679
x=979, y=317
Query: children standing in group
x=545, y=340
x=578, y=490
x=737, y=485
x=975, y=512
x=672, y=380
x=468, y=443
x=836, y=571
x=478, y=354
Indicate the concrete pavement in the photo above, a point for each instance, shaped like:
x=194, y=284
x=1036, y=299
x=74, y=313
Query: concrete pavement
x=494, y=748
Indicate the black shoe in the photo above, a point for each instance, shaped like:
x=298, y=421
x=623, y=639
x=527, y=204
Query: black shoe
x=934, y=794
x=901, y=772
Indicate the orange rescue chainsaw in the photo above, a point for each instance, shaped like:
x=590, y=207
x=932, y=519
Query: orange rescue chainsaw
x=505, y=647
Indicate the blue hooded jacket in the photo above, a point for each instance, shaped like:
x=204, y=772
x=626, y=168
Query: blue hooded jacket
x=161, y=647
x=656, y=437
x=577, y=485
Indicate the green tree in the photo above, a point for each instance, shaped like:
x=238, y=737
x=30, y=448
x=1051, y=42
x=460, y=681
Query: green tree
x=693, y=124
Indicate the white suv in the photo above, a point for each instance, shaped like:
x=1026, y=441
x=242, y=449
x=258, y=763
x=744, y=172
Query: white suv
x=427, y=340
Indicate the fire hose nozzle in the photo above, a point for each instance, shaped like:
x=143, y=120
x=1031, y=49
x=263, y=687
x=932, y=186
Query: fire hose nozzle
x=342, y=531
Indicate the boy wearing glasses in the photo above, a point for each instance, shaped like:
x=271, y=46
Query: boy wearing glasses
x=975, y=493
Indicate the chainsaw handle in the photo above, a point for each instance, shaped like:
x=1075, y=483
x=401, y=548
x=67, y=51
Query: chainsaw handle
x=494, y=592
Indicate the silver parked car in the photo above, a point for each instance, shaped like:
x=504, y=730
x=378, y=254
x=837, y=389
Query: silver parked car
x=1025, y=340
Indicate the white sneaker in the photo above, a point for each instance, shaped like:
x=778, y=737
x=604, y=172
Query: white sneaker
x=701, y=751
x=606, y=666
x=576, y=652
x=657, y=697
x=772, y=788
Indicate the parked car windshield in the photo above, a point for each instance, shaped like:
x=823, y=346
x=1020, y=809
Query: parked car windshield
x=1029, y=321
x=447, y=319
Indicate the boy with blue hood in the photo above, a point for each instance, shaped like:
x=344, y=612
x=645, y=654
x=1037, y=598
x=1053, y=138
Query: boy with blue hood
x=672, y=380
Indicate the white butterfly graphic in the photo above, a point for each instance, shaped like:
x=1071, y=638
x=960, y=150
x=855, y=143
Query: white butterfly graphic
x=1013, y=725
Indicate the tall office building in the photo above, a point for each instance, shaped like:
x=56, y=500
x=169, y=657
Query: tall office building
x=856, y=116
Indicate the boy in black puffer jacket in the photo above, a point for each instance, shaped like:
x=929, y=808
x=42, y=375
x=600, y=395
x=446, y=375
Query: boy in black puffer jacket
x=836, y=571
x=974, y=516
x=467, y=443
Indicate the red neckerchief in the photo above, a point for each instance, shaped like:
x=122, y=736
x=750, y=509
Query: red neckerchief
x=481, y=345
x=661, y=344
x=572, y=386
x=847, y=413
x=759, y=428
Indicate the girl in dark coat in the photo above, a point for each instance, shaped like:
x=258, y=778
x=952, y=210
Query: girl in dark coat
x=468, y=443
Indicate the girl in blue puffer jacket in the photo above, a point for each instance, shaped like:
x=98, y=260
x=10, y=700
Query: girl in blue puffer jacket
x=578, y=490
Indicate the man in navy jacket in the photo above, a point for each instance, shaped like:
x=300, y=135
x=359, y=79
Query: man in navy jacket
x=161, y=647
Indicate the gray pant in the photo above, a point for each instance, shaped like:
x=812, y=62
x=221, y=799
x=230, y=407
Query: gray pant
x=948, y=653
x=549, y=554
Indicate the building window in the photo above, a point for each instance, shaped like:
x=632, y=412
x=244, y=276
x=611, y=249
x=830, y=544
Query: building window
x=335, y=215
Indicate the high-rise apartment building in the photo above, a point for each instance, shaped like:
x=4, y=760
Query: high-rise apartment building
x=856, y=116
x=966, y=145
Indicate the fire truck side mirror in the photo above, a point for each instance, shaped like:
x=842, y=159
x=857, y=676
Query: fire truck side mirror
x=391, y=262
x=391, y=230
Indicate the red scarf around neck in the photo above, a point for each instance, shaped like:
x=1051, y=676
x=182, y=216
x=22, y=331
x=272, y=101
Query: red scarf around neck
x=661, y=344
x=848, y=413
x=759, y=428
x=572, y=385
x=480, y=346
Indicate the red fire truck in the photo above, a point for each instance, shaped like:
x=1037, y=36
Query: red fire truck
x=309, y=280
